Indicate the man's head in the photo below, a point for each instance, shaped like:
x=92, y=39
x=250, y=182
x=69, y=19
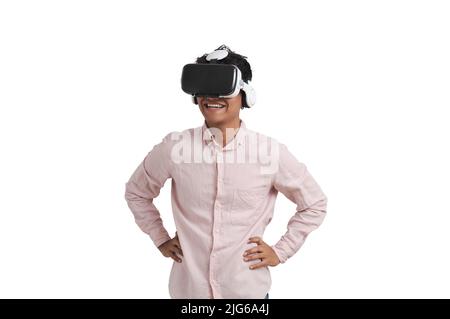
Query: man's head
x=223, y=110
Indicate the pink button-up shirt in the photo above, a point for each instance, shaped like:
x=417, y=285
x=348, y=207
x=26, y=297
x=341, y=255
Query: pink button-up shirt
x=222, y=196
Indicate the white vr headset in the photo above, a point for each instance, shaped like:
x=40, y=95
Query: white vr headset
x=215, y=80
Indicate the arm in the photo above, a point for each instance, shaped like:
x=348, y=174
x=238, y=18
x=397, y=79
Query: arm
x=295, y=182
x=144, y=185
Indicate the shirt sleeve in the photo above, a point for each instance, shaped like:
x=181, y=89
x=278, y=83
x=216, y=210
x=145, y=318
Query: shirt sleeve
x=296, y=183
x=144, y=185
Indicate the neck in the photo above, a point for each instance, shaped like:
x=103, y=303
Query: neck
x=234, y=124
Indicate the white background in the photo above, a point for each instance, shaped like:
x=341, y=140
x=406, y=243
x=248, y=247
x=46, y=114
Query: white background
x=358, y=90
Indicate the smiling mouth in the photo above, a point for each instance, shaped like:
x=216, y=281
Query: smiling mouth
x=213, y=105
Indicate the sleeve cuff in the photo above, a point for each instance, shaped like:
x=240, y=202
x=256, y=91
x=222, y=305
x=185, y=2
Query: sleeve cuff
x=280, y=254
x=161, y=240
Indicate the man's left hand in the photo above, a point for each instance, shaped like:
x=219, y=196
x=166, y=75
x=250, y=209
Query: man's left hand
x=261, y=251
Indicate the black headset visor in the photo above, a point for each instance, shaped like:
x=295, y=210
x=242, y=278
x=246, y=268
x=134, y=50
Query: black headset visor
x=212, y=80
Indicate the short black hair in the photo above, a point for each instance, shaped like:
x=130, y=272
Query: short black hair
x=236, y=59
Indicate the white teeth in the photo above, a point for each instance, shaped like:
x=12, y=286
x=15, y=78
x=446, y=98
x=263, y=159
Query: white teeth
x=217, y=106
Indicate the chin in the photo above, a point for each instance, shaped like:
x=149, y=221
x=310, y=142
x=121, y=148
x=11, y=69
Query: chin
x=212, y=120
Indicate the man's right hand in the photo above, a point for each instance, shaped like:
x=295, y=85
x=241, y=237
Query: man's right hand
x=172, y=249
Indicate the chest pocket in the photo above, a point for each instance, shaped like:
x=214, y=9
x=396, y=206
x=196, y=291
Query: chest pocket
x=247, y=205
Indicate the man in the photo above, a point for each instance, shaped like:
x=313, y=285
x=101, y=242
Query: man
x=225, y=179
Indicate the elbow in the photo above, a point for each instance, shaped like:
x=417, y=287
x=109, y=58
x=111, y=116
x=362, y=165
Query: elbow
x=130, y=195
x=324, y=204
x=321, y=205
x=133, y=194
x=318, y=211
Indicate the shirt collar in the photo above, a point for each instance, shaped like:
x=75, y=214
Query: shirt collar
x=238, y=139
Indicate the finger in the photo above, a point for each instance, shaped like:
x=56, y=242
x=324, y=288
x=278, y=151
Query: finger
x=176, y=241
x=177, y=244
x=256, y=240
x=257, y=249
x=255, y=256
x=178, y=250
x=258, y=265
x=175, y=257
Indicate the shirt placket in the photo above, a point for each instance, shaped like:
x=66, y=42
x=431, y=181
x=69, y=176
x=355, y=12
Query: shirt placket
x=214, y=262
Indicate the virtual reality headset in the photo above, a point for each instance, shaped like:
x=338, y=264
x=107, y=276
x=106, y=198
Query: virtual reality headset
x=215, y=80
